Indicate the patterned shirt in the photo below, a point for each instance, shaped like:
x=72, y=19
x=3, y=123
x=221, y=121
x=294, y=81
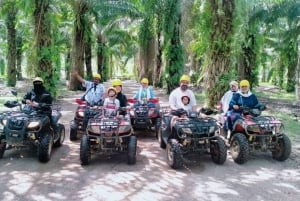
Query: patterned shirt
x=95, y=93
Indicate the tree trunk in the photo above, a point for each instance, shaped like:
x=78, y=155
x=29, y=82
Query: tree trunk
x=88, y=52
x=101, y=57
x=42, y=22
x=77, y=56
x=157, y=81
x=147, y=61
x=11, y=43
x=219, y=53
x=19, y=56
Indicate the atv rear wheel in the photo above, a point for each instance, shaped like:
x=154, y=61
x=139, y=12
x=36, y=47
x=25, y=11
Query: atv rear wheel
x=45, y=148
x=161, y=141
x=174, y=155
x=62, y=135
x=131, y=152
x=2, y=148
x=239, y=148
x=282, y=149
x=218, y=150
x=73, y=131
x=85, y=150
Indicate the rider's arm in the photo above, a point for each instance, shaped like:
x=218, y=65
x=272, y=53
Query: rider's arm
x=78, y=77
x=152, y=95
x=172, y=100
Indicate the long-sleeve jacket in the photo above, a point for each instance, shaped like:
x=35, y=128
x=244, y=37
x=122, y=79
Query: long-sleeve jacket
x=44, y=99
x=240, y=100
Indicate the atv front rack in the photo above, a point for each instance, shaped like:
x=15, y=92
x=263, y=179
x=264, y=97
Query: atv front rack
x=196, y=127
x=263, y=125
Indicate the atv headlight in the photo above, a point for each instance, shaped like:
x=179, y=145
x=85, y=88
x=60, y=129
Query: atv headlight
x=33, y=124
x=3, y=122
x=212, y=129
x=81, y=114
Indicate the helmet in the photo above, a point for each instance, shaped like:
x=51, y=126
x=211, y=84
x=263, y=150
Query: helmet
x=234, y=83
x=145, y=81
x=244, y=83
x=117, y=82
x=97, y=75
x=38, y=79
x=185, y=78
x=111, y=88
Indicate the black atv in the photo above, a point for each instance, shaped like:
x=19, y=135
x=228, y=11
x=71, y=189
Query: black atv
x=182, y=134
x=82, y=115
x=25, y=128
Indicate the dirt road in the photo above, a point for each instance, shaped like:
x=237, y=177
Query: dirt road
x=111, y=179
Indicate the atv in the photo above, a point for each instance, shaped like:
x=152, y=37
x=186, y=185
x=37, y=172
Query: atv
x=183, y=134
x=108, y=135
x=255, y=132
x=145, y=115
x=83, y=113
x=25, y=128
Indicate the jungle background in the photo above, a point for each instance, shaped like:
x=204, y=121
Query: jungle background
x=214, y=41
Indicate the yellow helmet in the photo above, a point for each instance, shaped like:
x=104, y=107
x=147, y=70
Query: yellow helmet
x=111, y=88
x=117, y=82
x=38, y=79
x=145, y=81
x=244, y=83
x=185, y=78
x=97, y=75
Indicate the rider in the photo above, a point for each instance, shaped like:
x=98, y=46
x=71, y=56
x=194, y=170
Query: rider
x=94, y=94
x=181, y=100
x=225, y=100
x=144, y=93
x=111, y=105
x=177, y=95
x=117, y=84
x=243, y=98
x=39, y=97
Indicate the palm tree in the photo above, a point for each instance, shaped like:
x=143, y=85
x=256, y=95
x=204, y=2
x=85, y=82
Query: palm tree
x=11, y=11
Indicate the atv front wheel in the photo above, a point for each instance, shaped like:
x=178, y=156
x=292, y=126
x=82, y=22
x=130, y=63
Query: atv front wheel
x=218, y=150
x=161, y=141
x=282, y=149
x=85, y=151
x=73, y=131
x=174, y=155
x=62, y=135
x=239, y=148
x=45, y=148
x=2, y=148
x=131, y=152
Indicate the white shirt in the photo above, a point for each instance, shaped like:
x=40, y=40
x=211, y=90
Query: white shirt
x=93, y=95
x=175, y=98
x=225, y=100
x=111, y=106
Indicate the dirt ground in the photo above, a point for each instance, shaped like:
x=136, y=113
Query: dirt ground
x=112, y=179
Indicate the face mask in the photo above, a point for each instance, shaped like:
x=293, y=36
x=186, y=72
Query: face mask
x=183, y=87
x=38, y=88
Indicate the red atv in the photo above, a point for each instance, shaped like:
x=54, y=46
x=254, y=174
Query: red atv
x=108, y=135
x=255, y=132
x=145, y=115
x=82, y=115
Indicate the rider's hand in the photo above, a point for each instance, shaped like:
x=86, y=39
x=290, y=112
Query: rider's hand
x=28, y=102
x=34, y=104
x=236, y=107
